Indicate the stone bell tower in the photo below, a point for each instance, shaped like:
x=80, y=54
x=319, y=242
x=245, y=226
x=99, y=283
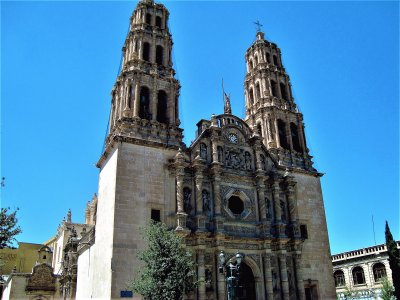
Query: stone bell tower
x=270, y=107
x=135, y=185
x=145, y=95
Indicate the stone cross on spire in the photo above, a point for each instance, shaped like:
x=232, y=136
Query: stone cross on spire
x=259, y=25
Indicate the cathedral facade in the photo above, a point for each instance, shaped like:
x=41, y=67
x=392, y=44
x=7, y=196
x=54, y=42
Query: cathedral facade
x=244, y=185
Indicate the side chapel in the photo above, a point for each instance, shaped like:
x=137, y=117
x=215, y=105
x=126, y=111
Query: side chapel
x=245, y=185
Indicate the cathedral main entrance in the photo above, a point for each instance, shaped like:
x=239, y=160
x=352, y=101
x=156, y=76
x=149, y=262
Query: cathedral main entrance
x=247, y=283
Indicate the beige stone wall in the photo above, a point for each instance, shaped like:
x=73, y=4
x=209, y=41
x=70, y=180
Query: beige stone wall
x=143, y=182
x=85, y=274
x=316, y=260
x=101, y=266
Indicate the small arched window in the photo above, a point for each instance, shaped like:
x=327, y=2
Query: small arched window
x=148, y=19
x=358, y=275
x=274, y=88
x=258, y=90
x=158, y=21
x=162, y=107
x=283, y=91
x=251, y=96
x=379, y=271
x=259, y=131
x=159, y=55
x=275, y=60
x=268, y=58
x=339, y=278
x=250, y=65
x=295, y=137
x=144, y=110
x=203, y=151
x=256, y=58
x=282, y=134
x=146, y=51
x=131, y=97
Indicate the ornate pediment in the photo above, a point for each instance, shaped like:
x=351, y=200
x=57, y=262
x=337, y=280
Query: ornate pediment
x=42, y=279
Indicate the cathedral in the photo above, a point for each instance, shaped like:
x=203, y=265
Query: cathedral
x=244, y=185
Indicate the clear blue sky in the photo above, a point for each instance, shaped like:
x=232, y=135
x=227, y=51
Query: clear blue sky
x=59, y=61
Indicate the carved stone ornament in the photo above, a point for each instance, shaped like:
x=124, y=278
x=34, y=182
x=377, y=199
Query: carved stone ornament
x=42, y=279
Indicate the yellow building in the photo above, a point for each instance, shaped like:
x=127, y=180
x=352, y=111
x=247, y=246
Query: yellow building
x=22, y=258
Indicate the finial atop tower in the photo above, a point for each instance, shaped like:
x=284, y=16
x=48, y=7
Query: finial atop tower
x=227, y=100
x=227, y=104
x=260, y=34
x=69, y=216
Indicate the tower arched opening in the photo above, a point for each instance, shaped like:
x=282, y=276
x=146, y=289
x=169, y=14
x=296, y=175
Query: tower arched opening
x=144, y=109
x=295, y=137
x=274, y=88
x=258, y=90
x=275, y=60
x=251, y=96
x=159, y=55
x=146, y=51
x=282, y=134
x=158, y=21
x=283, y=91
x=148, y=19
x=162, y=107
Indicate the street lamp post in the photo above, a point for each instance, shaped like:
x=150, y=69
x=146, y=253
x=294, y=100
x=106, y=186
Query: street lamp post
x=231, y=271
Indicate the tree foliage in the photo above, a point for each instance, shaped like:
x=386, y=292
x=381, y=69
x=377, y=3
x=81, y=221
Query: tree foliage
x=387, y=289
x=394, y=260
x=8, y=227
x=169, y=267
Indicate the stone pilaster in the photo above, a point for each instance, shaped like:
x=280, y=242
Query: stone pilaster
x=299, y=278
x=201, y=275
x=269, y=289
x=284, y=276
x=277, y=202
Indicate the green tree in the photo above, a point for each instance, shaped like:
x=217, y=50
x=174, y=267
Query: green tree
x=394, y=260
x=8, y=227
x=168, y=269
x=387, y=289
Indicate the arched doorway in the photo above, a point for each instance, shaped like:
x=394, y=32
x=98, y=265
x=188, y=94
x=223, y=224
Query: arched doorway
x=247, y=283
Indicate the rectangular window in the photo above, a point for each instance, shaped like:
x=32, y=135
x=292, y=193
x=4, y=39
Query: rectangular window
x=303, y=231
x=156, y=215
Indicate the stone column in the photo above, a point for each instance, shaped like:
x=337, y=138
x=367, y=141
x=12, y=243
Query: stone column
x=293, y=212
x=278, y=141
x=261, y=198
x=136, y=105
x=284, y=277
x=299, y=278
x=201, y=275
x=179, y=189
x=180, y=173
x=268, y=277
x=300, y=133
x=199, y=190
x=217, y=194
x=288, y=134
x=277, y=202
x=153, y=103
x=214, y=151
